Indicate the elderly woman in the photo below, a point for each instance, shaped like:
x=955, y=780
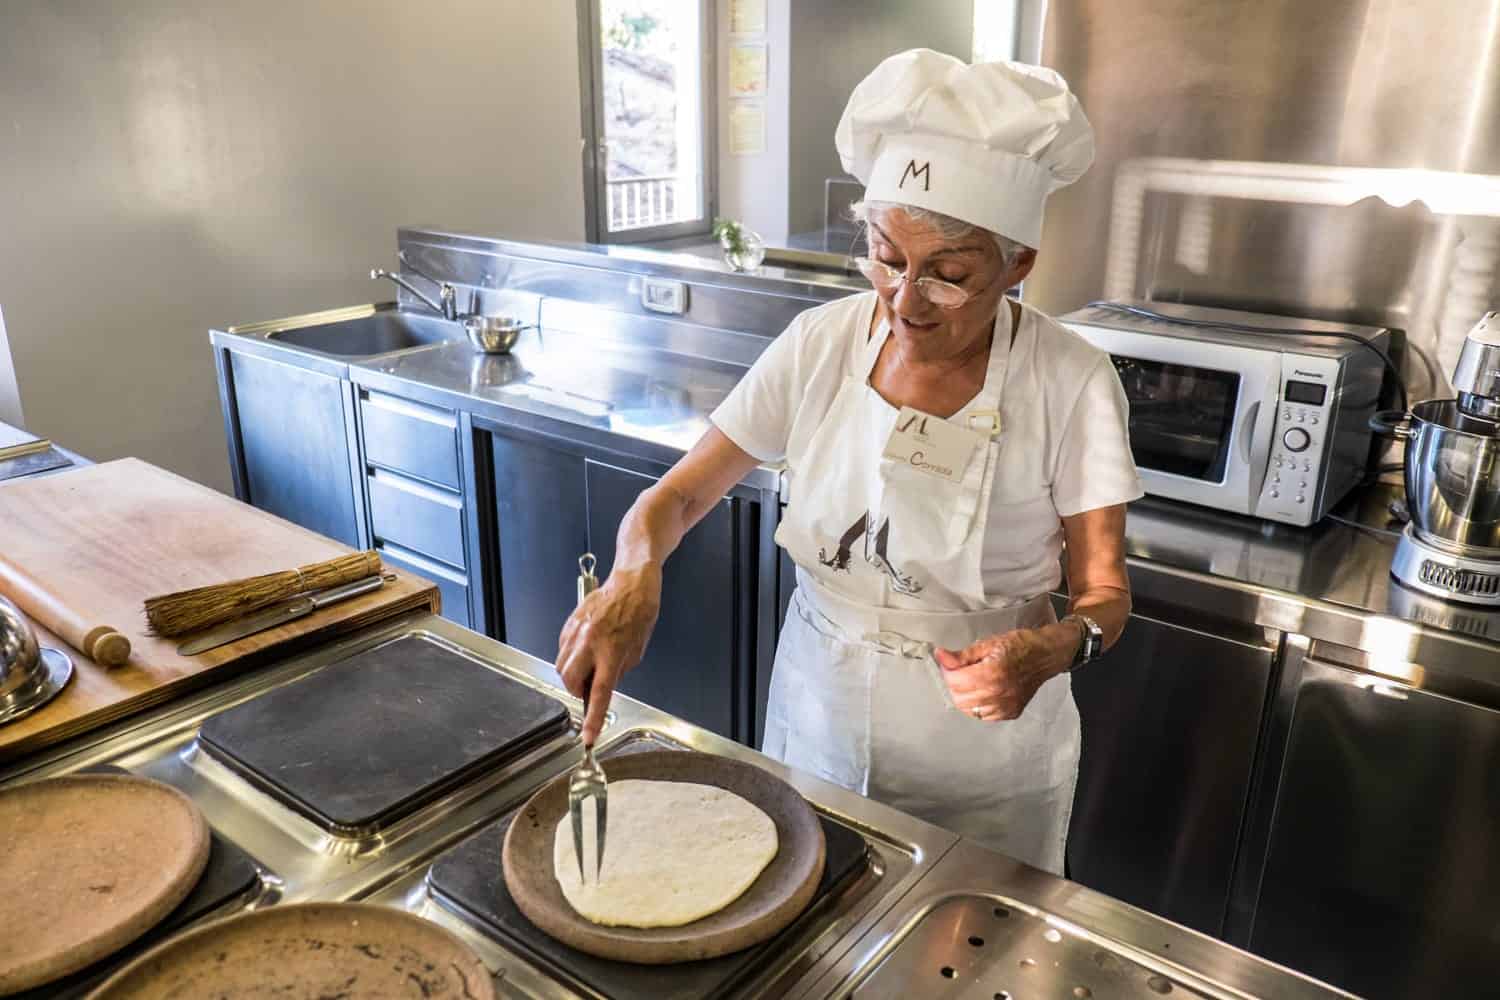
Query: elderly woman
x=945, y=445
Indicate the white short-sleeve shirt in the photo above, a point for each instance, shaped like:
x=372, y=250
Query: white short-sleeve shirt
x=1064, y=448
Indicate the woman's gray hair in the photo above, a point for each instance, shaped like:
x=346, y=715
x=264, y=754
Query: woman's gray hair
x=946, y=226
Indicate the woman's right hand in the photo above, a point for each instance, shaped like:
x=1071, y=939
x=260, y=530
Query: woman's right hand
x=605, y=636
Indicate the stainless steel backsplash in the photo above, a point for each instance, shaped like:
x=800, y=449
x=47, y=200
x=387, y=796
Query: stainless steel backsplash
x=1285, y=156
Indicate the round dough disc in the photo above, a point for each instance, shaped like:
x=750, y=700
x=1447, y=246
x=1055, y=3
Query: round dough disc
x=675, y=852
x=88, y=864
x=360, y=951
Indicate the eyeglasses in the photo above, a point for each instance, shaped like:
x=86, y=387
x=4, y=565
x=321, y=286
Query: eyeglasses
x=943, y=294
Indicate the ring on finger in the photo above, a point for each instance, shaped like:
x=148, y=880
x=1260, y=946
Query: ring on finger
x=978, y=713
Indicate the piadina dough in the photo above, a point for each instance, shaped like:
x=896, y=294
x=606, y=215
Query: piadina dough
x=675, y=852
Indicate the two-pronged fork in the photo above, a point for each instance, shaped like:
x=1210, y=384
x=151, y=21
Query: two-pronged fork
x=587, y=780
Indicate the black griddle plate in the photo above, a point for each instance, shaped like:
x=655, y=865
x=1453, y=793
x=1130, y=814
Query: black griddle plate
x=230, y=874
x=469, y=879
x=365, y=741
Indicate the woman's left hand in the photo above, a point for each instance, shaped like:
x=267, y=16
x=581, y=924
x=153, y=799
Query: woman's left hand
x=995, y=678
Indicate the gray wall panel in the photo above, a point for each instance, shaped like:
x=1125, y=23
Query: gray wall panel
x=195, y=165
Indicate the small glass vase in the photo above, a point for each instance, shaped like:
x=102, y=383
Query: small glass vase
x=750, y=254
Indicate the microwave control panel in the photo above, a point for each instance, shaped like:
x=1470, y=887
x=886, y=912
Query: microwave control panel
x=1305, y=420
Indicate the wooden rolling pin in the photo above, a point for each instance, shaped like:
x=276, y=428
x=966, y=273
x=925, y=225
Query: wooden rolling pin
x=104, y=644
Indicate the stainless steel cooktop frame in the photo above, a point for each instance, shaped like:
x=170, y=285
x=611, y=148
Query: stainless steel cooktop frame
x=302, y=861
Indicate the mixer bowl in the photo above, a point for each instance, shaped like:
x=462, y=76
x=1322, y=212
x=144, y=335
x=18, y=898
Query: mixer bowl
x=1452, y=477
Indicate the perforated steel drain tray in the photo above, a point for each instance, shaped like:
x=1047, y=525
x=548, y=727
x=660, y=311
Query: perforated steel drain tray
x=993, y=948
x=981, y=926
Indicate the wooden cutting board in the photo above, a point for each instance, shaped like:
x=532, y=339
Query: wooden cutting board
x=104, y=537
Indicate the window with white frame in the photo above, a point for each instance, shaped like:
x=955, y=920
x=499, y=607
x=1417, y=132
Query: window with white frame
x=648, y=90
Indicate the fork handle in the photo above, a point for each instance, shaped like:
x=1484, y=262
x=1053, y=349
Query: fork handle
x=587, y=584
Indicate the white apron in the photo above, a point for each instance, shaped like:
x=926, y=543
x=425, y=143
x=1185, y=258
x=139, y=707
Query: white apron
x=888, y=567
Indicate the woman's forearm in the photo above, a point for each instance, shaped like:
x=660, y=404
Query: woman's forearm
x=1109, y=607
x=1098, y=581
x=607, y=633
x=653, y=528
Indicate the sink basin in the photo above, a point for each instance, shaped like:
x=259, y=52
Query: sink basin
x=379, y=333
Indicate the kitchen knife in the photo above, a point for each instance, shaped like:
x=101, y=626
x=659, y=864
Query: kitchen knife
x=280, y=614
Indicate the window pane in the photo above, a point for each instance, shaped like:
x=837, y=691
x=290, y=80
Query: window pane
x=653, y=112
x=1180, y=417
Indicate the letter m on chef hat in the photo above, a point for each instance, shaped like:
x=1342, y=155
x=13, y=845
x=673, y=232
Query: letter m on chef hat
x=985, y=143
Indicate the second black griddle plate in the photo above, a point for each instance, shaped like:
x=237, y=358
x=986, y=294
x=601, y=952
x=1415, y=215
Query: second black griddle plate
x=468, y=880
x=366, y=741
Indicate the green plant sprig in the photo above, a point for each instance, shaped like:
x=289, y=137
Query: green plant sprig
x=731, y=235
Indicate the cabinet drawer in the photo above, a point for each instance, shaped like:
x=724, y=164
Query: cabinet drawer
x=416, y=516
x=409, y=437
x=453, y=586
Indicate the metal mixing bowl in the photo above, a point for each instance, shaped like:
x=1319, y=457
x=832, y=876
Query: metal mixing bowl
x=29, y=674
x=494, y=334
x=1452, y=475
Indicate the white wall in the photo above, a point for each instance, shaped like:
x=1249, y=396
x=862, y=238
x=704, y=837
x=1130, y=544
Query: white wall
x=753, y=189
x=168, y=165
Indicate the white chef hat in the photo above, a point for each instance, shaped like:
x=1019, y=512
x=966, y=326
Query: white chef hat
x=985, y=143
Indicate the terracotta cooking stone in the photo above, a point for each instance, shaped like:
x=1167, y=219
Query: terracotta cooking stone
x=771, y=903
x=354, y=951
x=88, y=863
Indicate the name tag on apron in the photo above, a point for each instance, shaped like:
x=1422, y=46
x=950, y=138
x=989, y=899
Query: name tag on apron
x=931, y=445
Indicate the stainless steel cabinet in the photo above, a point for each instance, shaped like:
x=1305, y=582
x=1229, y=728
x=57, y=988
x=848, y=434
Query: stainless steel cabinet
x=452, y=585
x=1382, y=872
x=541, y=526
x=364, y=468
x=1171, y=718
x=420, y=513
x=291, y=434
x=555, y=500
x=419, y=440
x=416, y=516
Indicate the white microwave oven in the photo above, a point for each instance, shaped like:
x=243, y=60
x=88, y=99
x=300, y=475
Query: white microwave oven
x=1261, y=415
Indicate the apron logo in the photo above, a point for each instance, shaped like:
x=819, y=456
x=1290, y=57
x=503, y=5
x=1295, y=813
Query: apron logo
x=914, y=172
x=921, y=425
x=875, y=553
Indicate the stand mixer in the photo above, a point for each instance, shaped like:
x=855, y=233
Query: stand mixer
x=1451, y=547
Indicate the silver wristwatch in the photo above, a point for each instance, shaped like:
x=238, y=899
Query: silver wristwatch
x=1092, y=644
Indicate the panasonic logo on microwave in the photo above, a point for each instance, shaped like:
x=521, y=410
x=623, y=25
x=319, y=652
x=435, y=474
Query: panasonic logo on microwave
x=1299, y=371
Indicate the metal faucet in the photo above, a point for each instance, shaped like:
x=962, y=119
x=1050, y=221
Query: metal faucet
x=447, y=304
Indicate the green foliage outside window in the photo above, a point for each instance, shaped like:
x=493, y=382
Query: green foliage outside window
x=627, y=31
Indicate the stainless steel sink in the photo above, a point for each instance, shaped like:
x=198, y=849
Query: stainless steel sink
x=381, y=332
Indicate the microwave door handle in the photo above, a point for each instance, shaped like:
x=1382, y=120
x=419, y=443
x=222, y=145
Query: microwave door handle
x=1247, y=434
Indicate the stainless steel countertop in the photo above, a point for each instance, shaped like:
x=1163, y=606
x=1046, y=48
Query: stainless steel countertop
x=1331, y=561
x=857, y=946
x=1330, y=582
x=651, y=396
x=635, y=390
x=639, y=390
x=300, y=860
x=1311, y=579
